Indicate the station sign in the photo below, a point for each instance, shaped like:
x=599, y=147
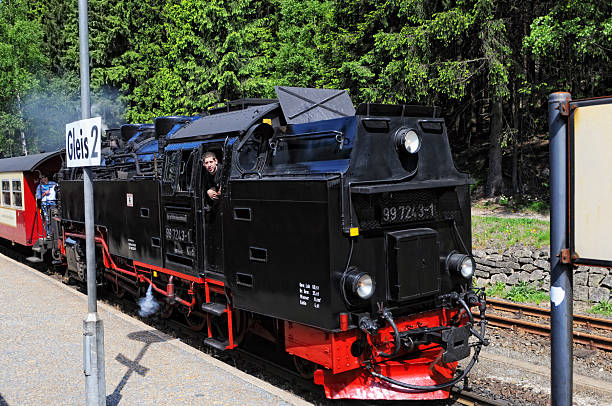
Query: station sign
x=84, y=142
x=590, y=181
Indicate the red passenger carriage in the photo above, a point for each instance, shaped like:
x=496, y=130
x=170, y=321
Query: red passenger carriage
x=20, y=219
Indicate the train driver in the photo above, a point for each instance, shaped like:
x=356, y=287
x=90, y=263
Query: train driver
x=213, y=176
x=45, y=194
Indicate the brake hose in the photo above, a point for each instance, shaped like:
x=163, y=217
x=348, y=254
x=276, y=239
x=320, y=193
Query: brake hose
x=433, y=388
x=396, y=336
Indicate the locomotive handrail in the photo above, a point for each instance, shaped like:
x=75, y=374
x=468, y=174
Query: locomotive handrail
x=131, y=155
x=259, y=175
x=315, y=134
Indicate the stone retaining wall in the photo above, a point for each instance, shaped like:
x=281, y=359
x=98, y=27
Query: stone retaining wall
x=516, y=265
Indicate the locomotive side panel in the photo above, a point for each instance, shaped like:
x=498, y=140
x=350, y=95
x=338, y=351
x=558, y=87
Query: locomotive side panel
x=277, y=249
x=128, y=210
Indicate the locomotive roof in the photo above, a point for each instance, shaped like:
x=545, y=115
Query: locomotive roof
x=232, y=122
x=25, y=163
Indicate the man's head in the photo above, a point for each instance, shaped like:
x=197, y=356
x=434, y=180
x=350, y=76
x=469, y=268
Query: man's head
x=44, y=179
x=210, y=162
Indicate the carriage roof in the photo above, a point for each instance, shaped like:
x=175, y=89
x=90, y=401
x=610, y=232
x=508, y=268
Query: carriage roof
x=27, y=162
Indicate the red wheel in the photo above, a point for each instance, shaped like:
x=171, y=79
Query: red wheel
x=196, y=320
x=166, y=311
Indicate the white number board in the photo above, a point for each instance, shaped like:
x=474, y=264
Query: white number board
x=83, y=142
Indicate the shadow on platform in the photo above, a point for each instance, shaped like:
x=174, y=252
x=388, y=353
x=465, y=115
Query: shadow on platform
x=145, y=336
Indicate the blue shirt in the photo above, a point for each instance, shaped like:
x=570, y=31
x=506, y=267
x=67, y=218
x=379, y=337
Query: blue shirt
x=42, y=188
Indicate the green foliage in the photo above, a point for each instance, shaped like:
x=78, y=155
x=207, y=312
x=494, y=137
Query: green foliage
x=602, y=307
x=522, y=292
x=574, y=37
x=496, y=232
x=497, y=290
x=21, y=60
x=162, y=57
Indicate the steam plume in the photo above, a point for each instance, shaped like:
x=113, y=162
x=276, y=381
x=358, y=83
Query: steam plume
x=148, y=304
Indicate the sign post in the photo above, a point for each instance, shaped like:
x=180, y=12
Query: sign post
x=561, y=295
x=83, y=143
x=580, y=215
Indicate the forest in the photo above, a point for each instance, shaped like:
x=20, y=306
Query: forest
x=490, y=65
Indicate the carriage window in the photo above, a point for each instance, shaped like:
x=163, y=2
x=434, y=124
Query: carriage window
x=6, y=193
x=17, y=197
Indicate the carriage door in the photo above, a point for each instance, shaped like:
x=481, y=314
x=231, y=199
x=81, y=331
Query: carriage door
x=181, y=211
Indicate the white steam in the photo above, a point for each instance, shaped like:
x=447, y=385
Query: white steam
x=148, y=304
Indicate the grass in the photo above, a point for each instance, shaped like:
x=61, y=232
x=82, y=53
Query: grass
x=497, y=232
x=602, y=307
x=522, y=292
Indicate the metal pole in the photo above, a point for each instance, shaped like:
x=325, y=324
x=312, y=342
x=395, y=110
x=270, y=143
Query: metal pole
x=561, y=278
x=93, y=329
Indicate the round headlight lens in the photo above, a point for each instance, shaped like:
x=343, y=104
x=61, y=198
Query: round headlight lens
x=412, y=142
x=358, y=283
x=364, y=286
x=467, y=267
x=462, y=264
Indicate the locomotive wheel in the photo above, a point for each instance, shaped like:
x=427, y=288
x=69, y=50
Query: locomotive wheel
x=166, y=311
x=239, y=323
x=137, y=294
x=196, y=320
x=118, y=291
x=304, y=367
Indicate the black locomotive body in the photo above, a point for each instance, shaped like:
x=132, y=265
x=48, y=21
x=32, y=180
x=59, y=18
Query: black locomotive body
x=344, y=236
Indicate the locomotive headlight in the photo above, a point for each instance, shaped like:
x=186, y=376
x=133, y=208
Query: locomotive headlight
x=462, y=264
x=358, y=283
x=365, y=286
x=408, y=140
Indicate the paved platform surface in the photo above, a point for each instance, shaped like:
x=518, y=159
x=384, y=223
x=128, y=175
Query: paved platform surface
x=41, y=351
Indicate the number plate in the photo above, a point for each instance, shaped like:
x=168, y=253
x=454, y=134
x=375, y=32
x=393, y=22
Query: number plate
x=401, y=213
x=176, y=234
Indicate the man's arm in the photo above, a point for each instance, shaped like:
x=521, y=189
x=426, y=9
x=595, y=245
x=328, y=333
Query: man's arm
x=213, y=194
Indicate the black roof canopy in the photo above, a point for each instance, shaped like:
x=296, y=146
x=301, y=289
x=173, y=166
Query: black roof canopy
x=27, y=162
x=305, y=105
x=233, y=122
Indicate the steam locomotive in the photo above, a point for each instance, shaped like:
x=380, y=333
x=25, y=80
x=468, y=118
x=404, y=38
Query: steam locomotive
x=343, y=236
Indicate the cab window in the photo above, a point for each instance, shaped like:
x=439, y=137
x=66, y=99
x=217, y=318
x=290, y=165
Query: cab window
x=172, y=167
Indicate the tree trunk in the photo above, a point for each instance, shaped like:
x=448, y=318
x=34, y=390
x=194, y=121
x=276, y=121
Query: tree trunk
x=24, y=148
x=516, y=126
x=495, y=182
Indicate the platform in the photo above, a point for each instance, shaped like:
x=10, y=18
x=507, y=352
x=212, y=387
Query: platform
x=41, y=354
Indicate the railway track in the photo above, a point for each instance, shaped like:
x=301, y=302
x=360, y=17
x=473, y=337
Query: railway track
x=520, y=310
x=469, y=398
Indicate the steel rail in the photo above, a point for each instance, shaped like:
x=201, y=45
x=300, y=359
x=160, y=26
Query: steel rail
x=591, y=340
x=469, y=398
x=589, y=322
